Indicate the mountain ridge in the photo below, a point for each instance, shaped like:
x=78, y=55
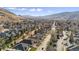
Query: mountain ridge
x=6, y=15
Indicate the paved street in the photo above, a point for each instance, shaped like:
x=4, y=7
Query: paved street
x=44, y=44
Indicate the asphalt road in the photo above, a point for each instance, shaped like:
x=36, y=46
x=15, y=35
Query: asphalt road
x=45, y=42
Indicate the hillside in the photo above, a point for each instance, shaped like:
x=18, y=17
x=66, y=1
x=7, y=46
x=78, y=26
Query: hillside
x=58, y=16
x=5, y=15
x=63, y=16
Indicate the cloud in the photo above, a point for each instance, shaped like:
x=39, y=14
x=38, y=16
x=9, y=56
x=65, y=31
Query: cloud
x=22, y=9
x=35, y=9
x=38, y=9
x=16, y=8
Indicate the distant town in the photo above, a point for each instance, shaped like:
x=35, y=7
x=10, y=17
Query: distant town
x=59, y=32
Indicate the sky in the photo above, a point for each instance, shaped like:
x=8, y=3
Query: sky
x=40, y=11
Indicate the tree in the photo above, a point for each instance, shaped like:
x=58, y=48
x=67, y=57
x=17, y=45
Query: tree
x=2, y=41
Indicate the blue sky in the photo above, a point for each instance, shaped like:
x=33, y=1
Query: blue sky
x=40, y=11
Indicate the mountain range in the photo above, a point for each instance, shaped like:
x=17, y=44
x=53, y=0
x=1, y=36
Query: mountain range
x=59, y=16
x=6, y=15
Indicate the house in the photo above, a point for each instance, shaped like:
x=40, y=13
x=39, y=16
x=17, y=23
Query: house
x=27, y=42
x=73, y=48
x=22, y=47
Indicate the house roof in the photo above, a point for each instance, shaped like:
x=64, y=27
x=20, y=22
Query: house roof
x=21, y=46
x=27, y=42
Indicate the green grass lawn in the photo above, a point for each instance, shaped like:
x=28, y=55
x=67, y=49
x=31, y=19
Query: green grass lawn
x=33, y=49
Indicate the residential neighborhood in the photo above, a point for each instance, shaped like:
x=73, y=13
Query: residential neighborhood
x=57, y=32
